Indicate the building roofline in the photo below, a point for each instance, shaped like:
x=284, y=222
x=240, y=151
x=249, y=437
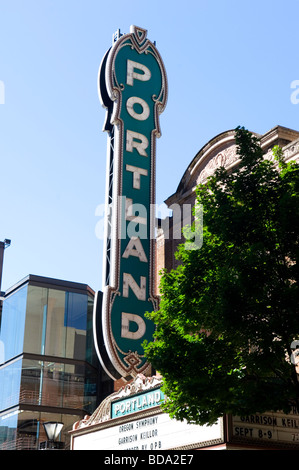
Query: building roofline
x=277, y=135
x=207, y=147
x=58, y=284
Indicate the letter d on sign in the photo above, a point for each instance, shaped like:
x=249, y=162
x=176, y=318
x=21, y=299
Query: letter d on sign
x=126, y=319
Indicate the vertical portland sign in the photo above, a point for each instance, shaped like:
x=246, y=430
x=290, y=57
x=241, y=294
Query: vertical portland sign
x=133, y=89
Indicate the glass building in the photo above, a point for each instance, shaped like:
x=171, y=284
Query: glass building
x=49, y=370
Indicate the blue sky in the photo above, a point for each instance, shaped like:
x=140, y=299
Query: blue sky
x=228, y=63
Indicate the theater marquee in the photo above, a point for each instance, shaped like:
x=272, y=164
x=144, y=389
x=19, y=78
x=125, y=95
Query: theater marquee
x=132, y=419
x=133, y=89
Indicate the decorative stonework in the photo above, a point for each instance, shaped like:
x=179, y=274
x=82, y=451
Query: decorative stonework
x=229, y=157
x=290, y=152
x=222, y=152
x=225, y=158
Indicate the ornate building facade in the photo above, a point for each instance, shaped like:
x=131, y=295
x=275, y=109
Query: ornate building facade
x=219, y=151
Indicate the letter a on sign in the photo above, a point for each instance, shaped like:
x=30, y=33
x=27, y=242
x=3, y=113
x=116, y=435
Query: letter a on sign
x=133, y=89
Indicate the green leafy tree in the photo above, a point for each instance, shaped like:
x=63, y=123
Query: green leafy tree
x=230, y=311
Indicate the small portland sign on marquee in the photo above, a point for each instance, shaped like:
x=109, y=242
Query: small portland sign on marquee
x=132, y=87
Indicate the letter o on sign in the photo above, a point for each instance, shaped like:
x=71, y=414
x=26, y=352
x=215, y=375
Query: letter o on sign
x=145, y=108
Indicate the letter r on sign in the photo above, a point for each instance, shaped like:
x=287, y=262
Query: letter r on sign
x=137, y=141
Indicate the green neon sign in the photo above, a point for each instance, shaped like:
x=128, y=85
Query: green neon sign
x=133, y=88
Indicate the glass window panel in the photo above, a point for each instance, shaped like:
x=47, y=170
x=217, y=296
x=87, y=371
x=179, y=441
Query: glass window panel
x=28, y=430
x=73, y=390
x=77, y=310
x=52, y=384
x=34, y=341
x=91, y=356
x=90, y=390
x=76, y=325
x=31, y=382
x=8, y=430
x=24, y=430
x=13, y=324
x=56, y=329
x=10, y=377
